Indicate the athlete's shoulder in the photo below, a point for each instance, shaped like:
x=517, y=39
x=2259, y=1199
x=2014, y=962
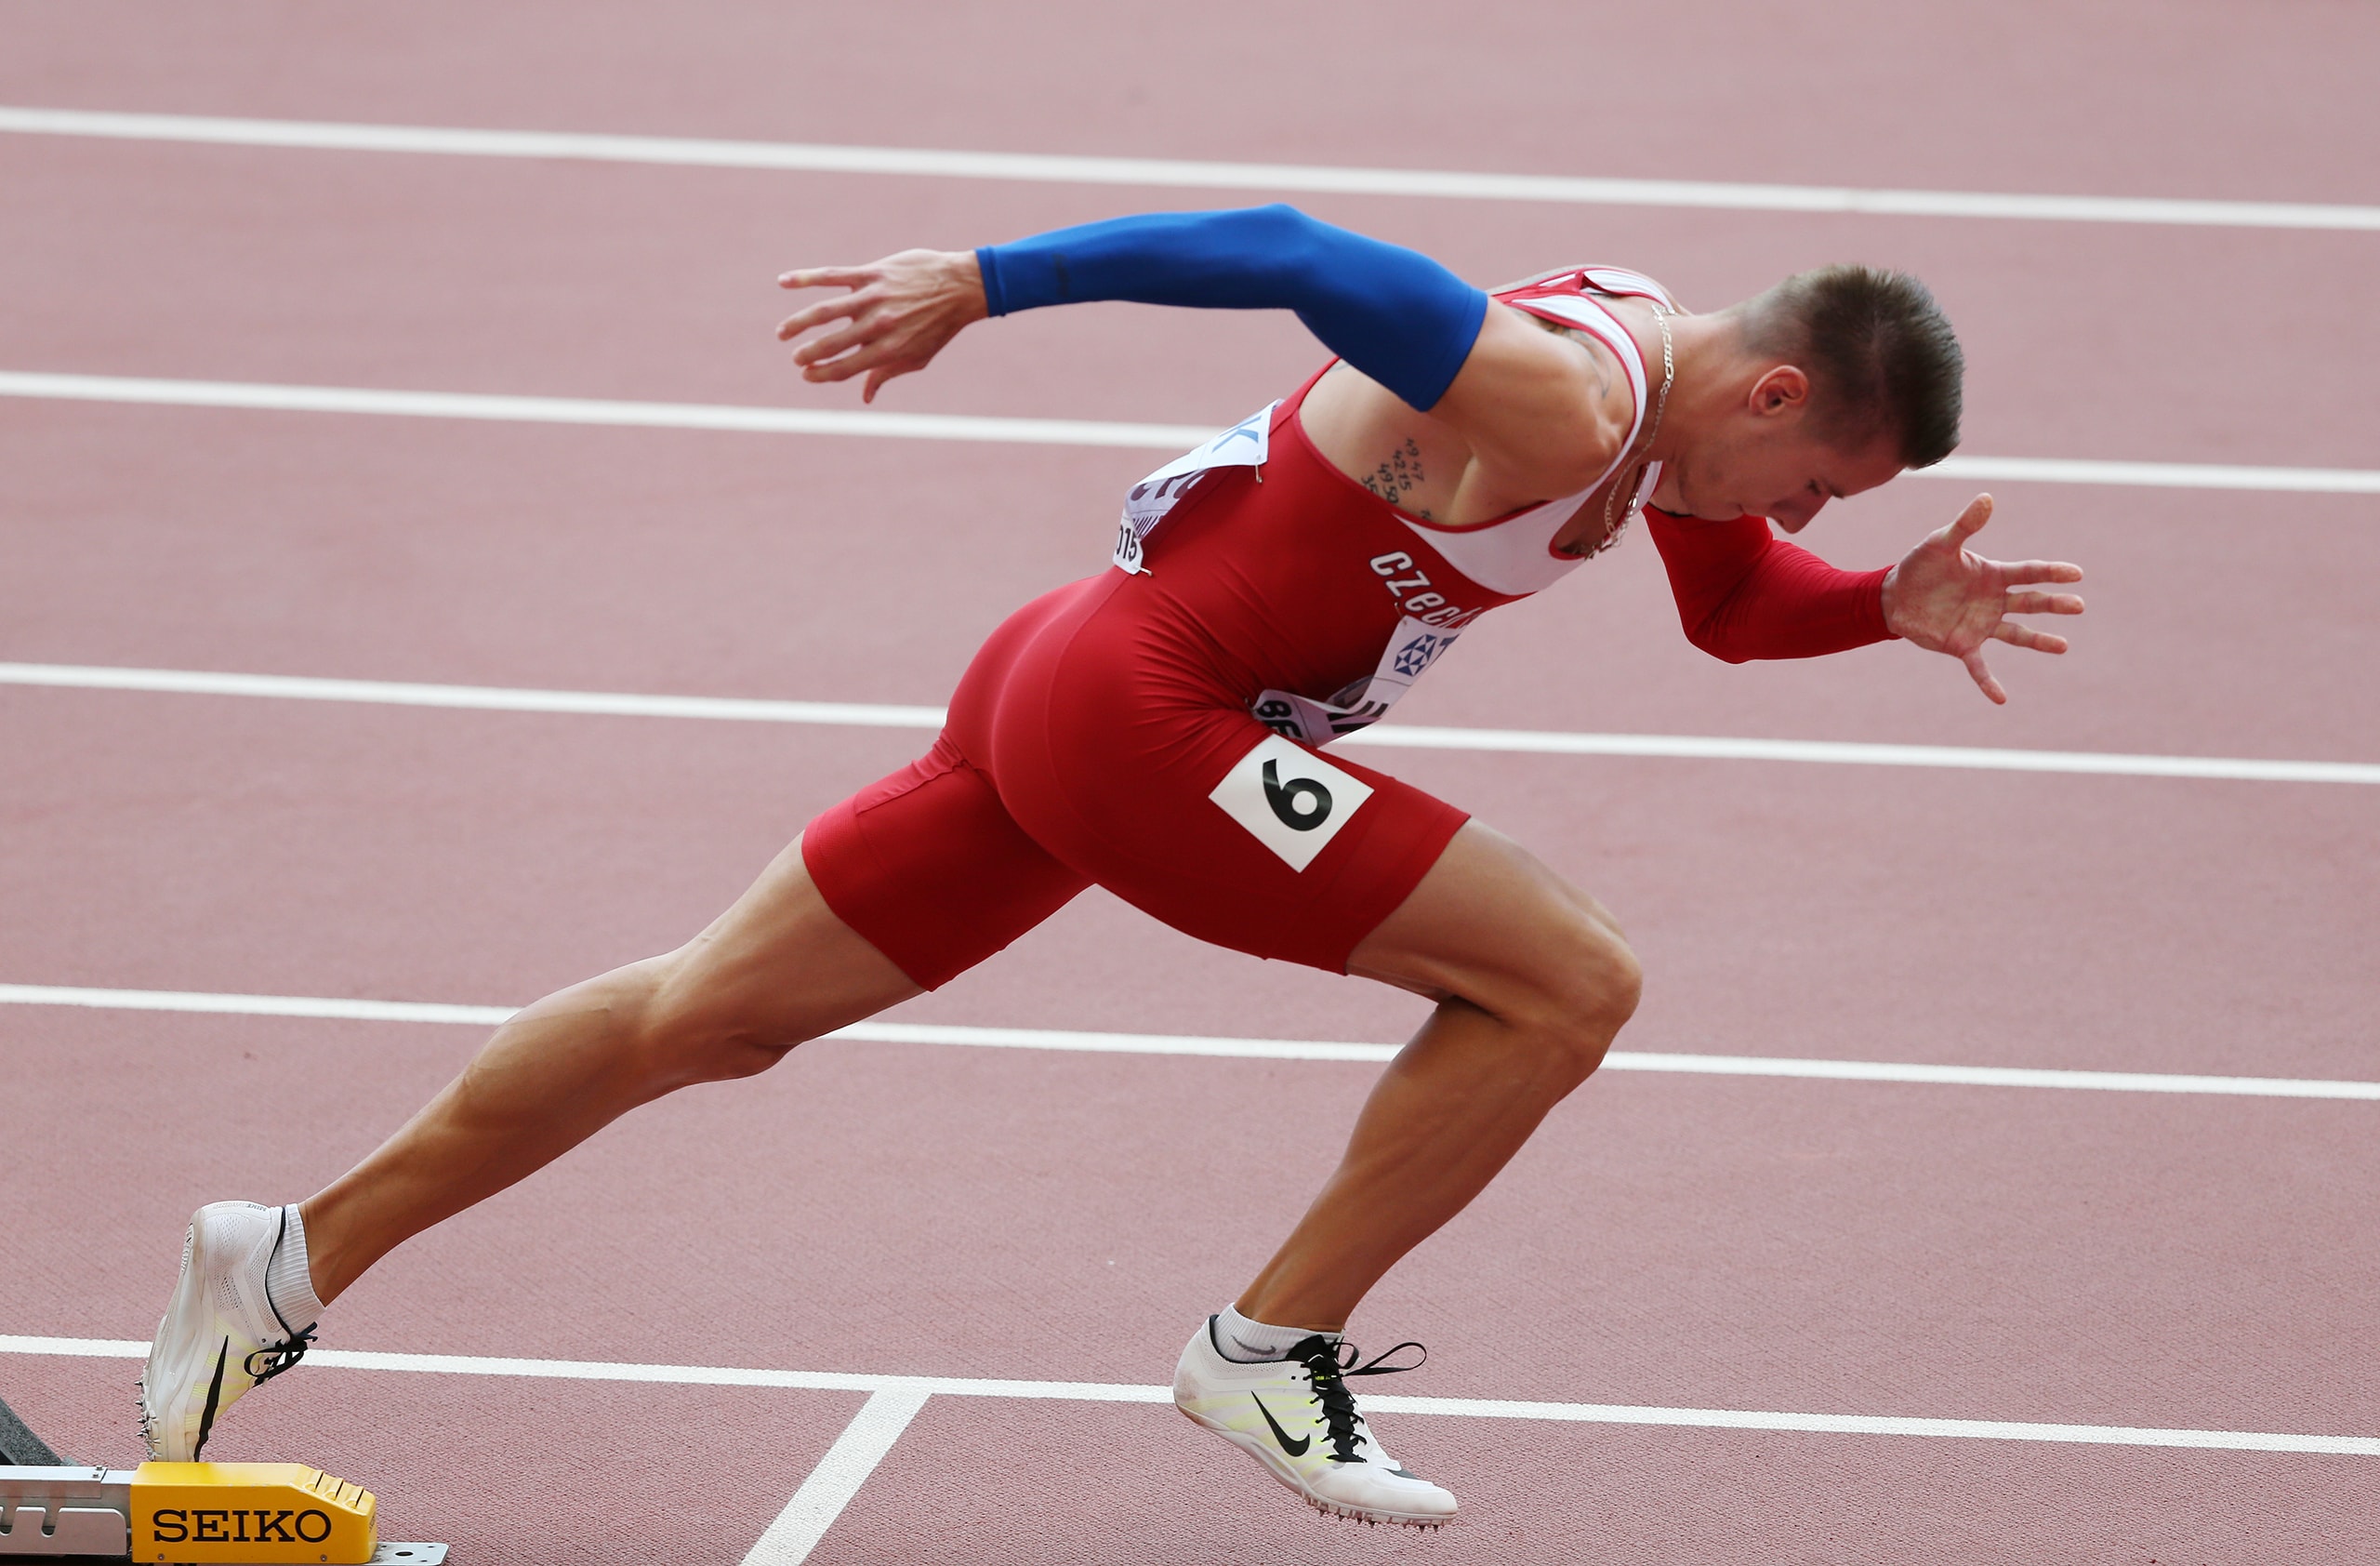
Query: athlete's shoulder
x=1575, y=281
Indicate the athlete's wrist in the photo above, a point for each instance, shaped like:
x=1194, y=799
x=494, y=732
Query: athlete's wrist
x=965, y=269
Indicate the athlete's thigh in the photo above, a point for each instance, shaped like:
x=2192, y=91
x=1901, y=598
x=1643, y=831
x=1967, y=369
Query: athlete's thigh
x=1206, y=820
x=780, y=962
x=1493, y=924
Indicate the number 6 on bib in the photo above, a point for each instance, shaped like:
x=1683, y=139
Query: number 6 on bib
x=1290, y=799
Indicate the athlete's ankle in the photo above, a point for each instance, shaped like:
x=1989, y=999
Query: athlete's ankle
x=329, y=1272
x=289, y=1276
x=1247, y=1341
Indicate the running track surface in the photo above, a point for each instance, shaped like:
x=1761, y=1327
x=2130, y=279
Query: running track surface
x=2171, y=1262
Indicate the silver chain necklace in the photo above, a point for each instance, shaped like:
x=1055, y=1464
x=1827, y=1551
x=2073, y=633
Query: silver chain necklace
x=1661, y=406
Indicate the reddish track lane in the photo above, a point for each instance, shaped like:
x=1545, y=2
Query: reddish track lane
x=558, y=1471
x=868, y=571
x=2126, y=96
x=1888, y=1249
x=922, y=1209
x=506, y=275
x=300, y=848
x=1623, y=1496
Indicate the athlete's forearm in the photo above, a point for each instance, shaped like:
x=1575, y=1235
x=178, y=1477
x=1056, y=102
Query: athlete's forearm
x=1744, y=594
x=1393, y=313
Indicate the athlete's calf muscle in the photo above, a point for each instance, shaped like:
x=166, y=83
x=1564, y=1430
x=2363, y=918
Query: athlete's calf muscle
x=775, y=969
x=1535, y=982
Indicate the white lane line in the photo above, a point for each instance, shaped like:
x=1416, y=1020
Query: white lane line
x=2155, y=475
x=810, y=157
x=2105, y=763
x=864, y=1442
x=275, y=398
x=1064, y=1039
x=1092, y=1391
x=260, y=396
x=1540, y=742
x=486, y=698
x=324, y=1008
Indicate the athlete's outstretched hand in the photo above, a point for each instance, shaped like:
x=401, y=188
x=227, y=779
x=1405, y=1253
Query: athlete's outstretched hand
x=1946, y=599
x=898, y=316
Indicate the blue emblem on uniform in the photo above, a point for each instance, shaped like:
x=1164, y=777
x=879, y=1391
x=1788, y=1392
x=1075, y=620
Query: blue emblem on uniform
x=1416, y=654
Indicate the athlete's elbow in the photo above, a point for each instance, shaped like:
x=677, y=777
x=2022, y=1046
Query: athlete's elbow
x=1295, y=246
x=1718, y=643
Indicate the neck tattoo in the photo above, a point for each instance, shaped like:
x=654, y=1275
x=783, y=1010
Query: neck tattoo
x=1620, y=476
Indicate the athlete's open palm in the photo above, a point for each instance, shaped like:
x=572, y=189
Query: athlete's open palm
x=1947, y=599
x=896, y=316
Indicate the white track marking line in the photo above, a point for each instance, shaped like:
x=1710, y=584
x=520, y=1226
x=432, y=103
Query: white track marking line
x=863, y=1443
x=1092, y=1391
x=2105, y=763
x=258, y=397
x=273, y=398
x=810, y=157
x=487, y=698
x=1540, y=742
x=2154, y=475
x=324, y=1008
x=1068, y=1041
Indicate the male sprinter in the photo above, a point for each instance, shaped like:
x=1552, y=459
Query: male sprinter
x=1155, y=729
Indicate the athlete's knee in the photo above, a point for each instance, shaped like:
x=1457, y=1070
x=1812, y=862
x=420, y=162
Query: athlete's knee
x=1613, y=978
x=1590, y=990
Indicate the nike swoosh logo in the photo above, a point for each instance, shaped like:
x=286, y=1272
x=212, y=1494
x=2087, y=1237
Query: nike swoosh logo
x=1294, y=1448
x=213, y=1393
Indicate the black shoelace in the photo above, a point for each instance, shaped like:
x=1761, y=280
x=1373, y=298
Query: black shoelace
x=1327, y=1366
x=279, y=1357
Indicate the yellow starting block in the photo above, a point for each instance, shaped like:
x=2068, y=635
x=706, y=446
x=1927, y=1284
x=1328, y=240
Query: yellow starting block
x=252, y=1514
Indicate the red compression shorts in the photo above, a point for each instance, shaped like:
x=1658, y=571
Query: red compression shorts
x=1083, y=746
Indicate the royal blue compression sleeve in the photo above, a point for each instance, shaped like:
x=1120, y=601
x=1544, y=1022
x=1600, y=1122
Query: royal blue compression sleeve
x=1393, y=313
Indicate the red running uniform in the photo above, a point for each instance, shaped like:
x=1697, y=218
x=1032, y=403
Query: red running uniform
x=1155, y=728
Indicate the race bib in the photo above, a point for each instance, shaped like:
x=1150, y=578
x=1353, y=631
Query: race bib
x=1290, y=800
x=1245, y=445
x=1410, y=653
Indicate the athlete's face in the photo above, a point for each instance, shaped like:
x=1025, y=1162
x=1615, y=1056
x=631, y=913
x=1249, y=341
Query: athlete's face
x=1766, y=458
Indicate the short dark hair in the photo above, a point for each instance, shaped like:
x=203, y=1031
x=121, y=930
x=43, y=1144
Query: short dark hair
x=1880, y=354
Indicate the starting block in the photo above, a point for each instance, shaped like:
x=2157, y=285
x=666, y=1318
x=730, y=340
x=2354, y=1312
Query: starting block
x=238, y=1514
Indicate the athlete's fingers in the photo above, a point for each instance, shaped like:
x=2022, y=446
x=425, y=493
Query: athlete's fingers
x=858, y=334
x=2015, y=571
x=2043, y=603
x=868, y=356
x=819, y=314
x=831, y=371
x=2026, y=636
x=1981, y=673
x=826, y=277
x=1970, y=522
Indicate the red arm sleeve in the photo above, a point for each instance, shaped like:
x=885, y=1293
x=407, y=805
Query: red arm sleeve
x=1743, y=593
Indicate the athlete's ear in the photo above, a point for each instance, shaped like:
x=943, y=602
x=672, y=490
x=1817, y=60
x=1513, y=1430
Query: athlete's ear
x=1783, y=389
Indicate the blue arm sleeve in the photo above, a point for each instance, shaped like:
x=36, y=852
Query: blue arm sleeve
x=1393, y=313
